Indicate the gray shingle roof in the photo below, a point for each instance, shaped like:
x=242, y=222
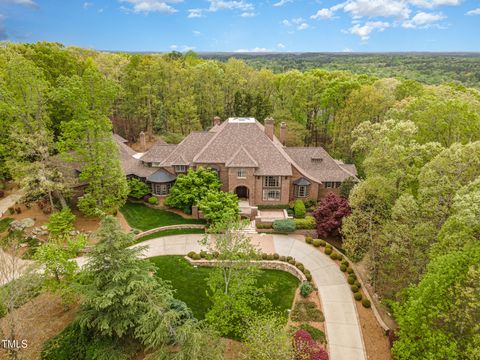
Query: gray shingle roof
x=188, y=148
x=302, y=182
x=161, y=176
x=158, y=152
x=323, y=167
x=118, y=138
x=130, y=165
x=231, y=136
x=241, y=158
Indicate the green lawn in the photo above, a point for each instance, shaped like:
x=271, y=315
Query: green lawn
x=4, y=223
x=144, y=218
x=190, y=284
x=170, y=232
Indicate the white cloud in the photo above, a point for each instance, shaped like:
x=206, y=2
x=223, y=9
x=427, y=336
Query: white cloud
x=376, y=8
x=182, y=48
x=254, y=50
x=147, y=6
x=435, y=3
x=87, y=5
x=195, y=13
x=281, y=46
x=347, y=50
x=286, y=23
x=302, y=26
x=365, y=30
x=282, y=2
x=248, y=14
x=423, y=20
x=473, y=12
x=216, y=5
x=323, y=14
x=196, y=33
x=23, y=2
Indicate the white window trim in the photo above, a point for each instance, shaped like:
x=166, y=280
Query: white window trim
x=241, y=173
x=305, y=193
x=266, y=195
x=276, y=179
x=180, y=168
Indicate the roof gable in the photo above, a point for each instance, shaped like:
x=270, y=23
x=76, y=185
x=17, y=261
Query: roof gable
x=241, y=158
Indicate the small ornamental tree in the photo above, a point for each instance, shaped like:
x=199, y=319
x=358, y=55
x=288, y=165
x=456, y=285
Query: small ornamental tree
x=299, y=209
x=219, y=207
x=346, y=187
x=189, y=189
x=138, y=189
x=329, y=214
x=61, y=223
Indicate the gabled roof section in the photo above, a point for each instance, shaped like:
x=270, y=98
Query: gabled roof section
x=231, y=136
x=316, y=162
x=119, y=138
x=158, y=152
x=131, y=165
x=188, y=148
x=241, y=158
x=302, y=182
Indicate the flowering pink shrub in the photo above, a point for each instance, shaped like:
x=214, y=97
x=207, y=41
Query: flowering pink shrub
x=306, y=348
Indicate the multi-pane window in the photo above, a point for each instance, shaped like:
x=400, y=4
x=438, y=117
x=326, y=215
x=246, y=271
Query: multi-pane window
x=271, y=181
x=273, y=195
x=180, y=168
x=338, y=184
x=155, y=164
x=161, y=189
x=329, y=184
x=241, y=173
x=301, y=191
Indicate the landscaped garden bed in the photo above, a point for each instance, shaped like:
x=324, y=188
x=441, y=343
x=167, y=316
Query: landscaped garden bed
x=144, y=218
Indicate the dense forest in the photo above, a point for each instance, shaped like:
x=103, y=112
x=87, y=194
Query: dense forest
x=429, y=68
x=415, y=214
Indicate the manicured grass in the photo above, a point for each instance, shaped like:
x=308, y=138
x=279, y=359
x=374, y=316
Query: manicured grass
x=190, y=284
x=170, y=232
x=142, y=217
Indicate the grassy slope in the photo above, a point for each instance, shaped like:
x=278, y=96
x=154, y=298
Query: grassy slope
x=191, y=284
x=170, y=232
x=142, y=217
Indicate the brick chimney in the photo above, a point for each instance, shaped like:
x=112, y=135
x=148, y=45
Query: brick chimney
x=143, y=143
x=269, y=124
x=283, y=130
x=217, y=120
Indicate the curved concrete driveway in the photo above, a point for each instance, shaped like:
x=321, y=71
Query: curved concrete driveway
x=341, y=320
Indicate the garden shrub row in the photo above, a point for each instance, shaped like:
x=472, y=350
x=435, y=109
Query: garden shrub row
x=308, y=223
x=284, y=226
x=344, y=267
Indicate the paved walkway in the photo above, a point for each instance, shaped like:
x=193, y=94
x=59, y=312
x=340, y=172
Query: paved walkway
x=9, y=201
x=343, y=330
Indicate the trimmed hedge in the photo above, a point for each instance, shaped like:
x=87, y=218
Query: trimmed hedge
x=264, y=226
x=308, y=223
x=279, y=206
x=316, y=242
x=284, y=225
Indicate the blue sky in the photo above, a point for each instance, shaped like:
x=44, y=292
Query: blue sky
x=246, y=25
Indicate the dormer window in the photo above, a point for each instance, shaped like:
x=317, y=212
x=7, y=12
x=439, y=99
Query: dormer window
x=317, y=160
x=180, y=168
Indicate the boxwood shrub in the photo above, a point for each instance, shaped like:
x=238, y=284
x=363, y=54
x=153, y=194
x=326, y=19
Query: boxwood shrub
x=316, y=243
x=152, y=200
x=350, y=270
x=351, y=280
x=366, y=303
x=305, y=288
x=343, y=268
x=308, y=277
x=284, y=225
x=333, y=256
x=328, y=250
x=354, y=288
x=358, y=296
x=308, y=239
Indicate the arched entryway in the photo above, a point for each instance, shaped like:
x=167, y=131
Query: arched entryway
x=242, y=192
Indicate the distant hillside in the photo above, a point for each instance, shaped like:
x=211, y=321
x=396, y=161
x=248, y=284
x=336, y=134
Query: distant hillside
x=430, y=68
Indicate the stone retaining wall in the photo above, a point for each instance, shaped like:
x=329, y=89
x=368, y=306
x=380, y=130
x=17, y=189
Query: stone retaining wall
x=170, y=227
x=263, y=264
